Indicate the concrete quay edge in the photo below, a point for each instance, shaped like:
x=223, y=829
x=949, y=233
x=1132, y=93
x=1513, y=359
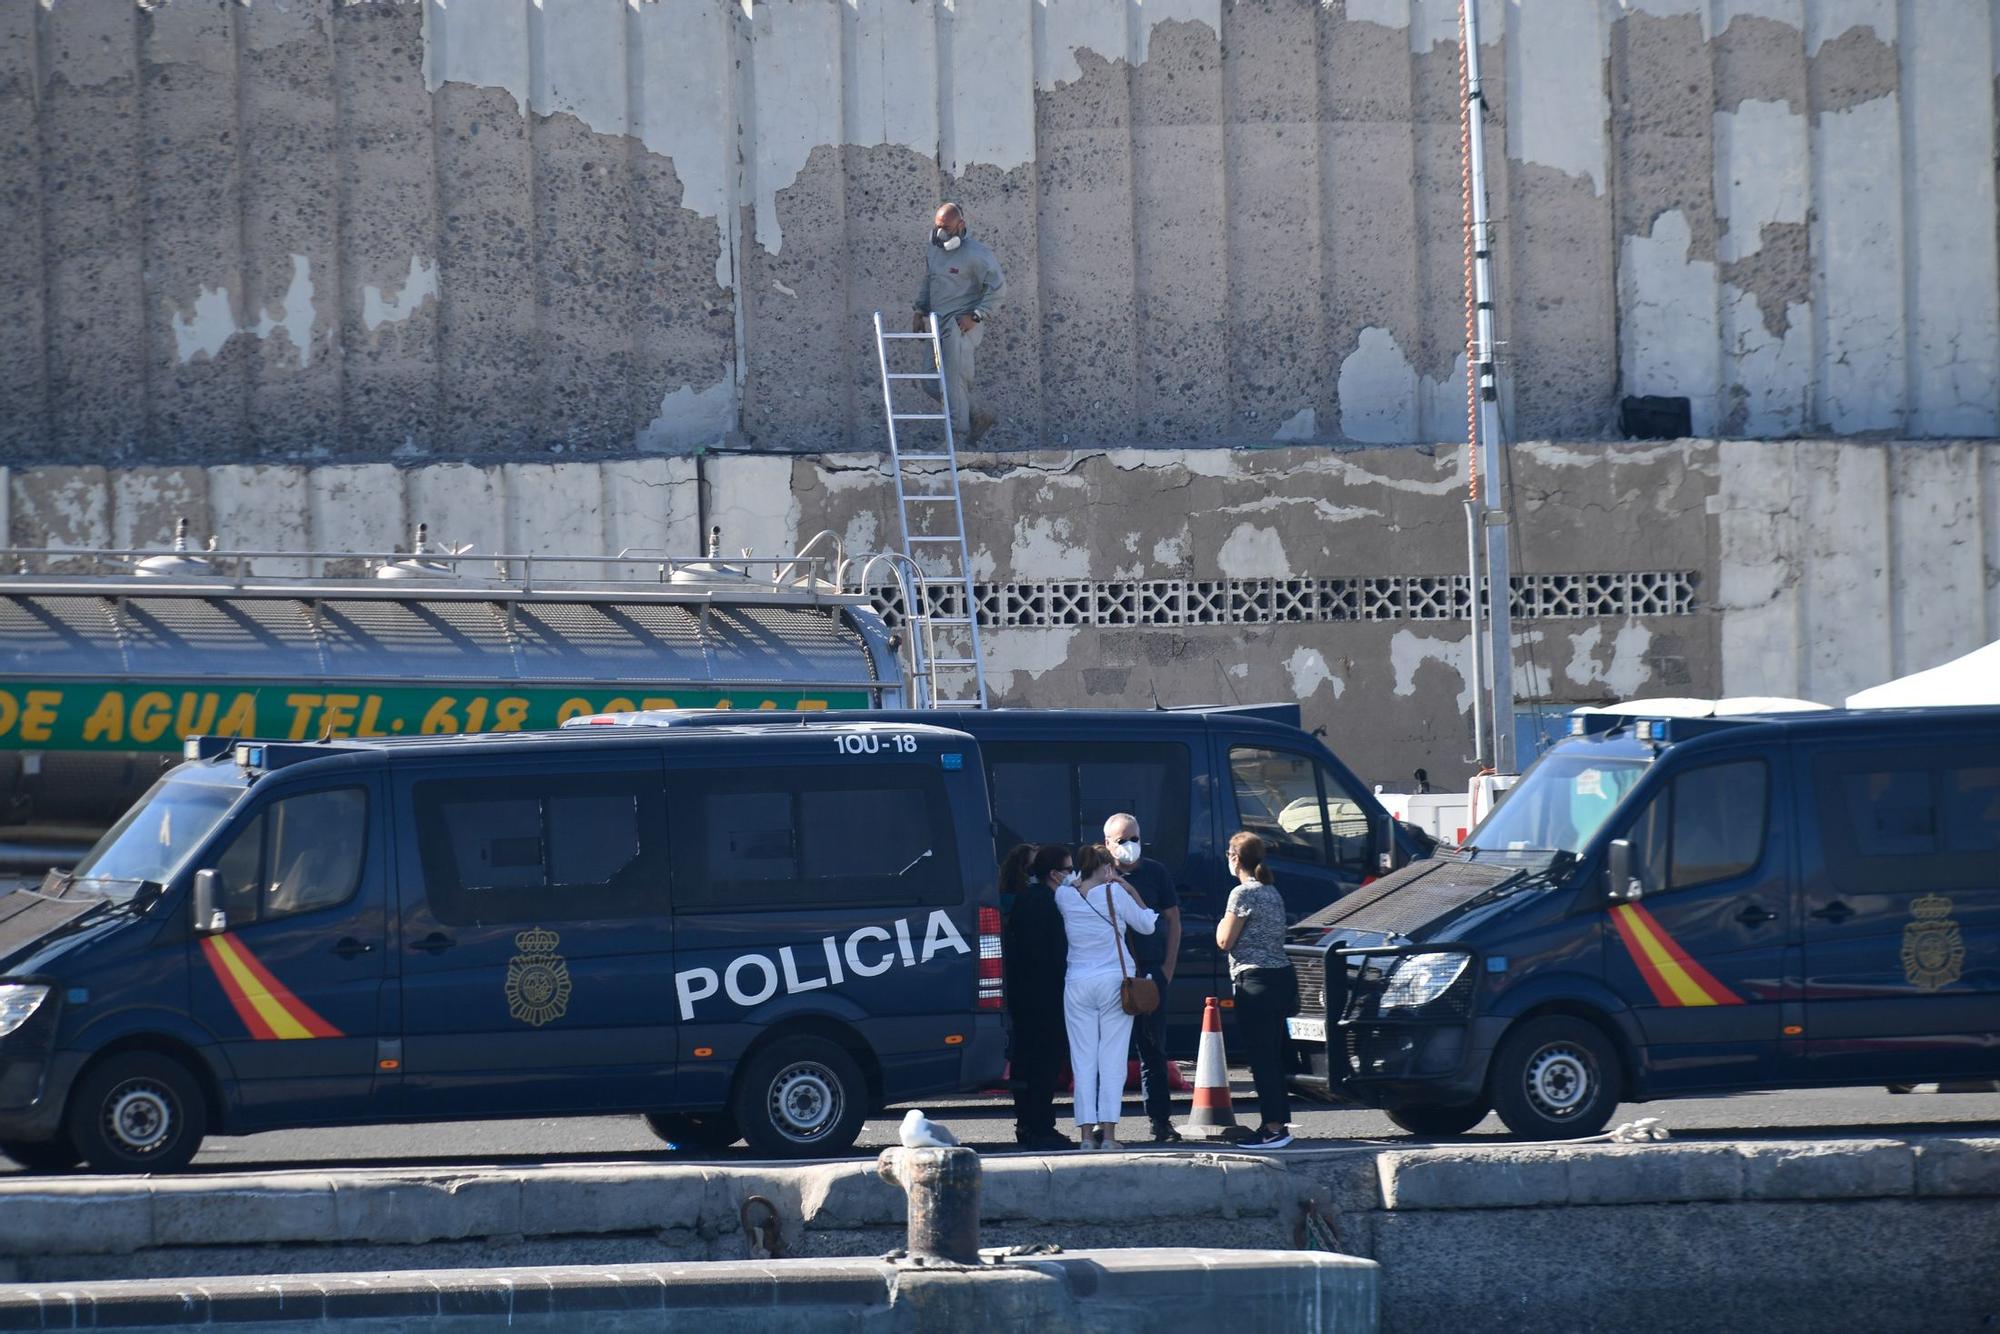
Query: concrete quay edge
x=41, y=1216
x=1303, y=1288
x=52, y=1216
x=1530, y=1176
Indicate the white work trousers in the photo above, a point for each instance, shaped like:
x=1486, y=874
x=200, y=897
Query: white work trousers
x=1099, y=1033
x=960, y=351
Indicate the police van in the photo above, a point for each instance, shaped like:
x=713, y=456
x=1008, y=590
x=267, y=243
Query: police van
x=1669, y=906
x=738, y=932
x=1192, y=777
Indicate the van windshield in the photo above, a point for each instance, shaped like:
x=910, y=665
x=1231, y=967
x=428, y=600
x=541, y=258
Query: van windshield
x=1558, y=804
x=157, y=835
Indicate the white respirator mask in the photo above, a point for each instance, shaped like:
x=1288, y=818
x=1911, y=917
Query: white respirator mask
x=1126, y=850
x=1069, y=880
x=945, y=241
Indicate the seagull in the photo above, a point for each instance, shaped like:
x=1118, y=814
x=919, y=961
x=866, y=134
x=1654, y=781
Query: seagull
x=920, y=1132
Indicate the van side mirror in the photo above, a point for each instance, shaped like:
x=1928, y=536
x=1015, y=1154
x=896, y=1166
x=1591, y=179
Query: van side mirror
x=209, y=919
x=1622, y=882
x=1386, y=851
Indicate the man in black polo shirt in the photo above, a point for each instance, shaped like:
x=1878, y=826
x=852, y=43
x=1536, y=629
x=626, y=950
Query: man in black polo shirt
x=1156, y=956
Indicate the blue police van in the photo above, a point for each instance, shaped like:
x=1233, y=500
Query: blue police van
x=750, y=932
x=1192, y=777
x=1675, y=906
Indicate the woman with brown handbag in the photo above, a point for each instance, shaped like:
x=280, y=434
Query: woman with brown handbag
x=1098, y=987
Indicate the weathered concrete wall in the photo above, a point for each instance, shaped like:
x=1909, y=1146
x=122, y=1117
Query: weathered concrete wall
x=1879, y=1233
x=1329, y=576
x=313, y=230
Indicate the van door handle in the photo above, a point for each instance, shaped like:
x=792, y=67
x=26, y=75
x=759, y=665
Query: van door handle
x=349, y=947
x=437, y=942
x=1756, y=914
x=1835, y=912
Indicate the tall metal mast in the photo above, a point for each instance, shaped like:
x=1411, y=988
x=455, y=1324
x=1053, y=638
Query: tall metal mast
x=1485, y=443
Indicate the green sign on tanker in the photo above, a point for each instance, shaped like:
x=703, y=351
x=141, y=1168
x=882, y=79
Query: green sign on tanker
x=128, y=716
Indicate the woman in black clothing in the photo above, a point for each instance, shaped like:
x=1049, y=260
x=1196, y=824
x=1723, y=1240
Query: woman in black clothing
x=1252, y=933
x=1035, y=951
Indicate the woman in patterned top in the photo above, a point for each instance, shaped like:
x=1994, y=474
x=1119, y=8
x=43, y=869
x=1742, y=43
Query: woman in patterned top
x=1252, y=932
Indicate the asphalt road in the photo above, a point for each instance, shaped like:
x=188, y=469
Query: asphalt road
x=988, y=1124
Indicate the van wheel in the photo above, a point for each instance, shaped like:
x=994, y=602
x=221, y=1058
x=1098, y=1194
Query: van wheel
x=800, y=1097
x=137, y=1111
x=709, y=1132
x=1555, y=1078
x=43, y=1155
x=1439, y=1121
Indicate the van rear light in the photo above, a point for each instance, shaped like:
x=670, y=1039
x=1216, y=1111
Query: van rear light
x=992, y=994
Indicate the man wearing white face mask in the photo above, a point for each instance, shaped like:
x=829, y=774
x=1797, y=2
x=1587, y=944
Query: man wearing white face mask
x=1155, y=956
x=962, y=284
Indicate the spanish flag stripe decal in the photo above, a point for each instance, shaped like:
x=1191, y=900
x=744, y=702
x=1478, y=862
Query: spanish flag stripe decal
x=1672, y=977
x=264, y=1003
x=245, y=1011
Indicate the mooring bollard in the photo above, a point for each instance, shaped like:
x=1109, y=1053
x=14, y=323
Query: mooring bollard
x=943, y=1189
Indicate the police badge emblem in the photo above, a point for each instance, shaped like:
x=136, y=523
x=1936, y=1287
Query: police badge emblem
x=1933, y=950
x=537, y=978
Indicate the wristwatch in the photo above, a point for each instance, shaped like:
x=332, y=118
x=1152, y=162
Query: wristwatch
x=979, y=317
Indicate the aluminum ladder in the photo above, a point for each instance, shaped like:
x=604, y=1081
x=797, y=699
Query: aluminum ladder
x=948, y=669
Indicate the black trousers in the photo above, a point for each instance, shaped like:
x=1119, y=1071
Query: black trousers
x=1149, y=1037
x=1264, y=996
x=1040, y=1046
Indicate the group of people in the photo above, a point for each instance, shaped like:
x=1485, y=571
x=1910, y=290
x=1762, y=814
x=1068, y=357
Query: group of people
x=1079, y=925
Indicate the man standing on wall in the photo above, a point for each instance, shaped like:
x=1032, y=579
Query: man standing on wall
x=962, y=285
x=1154, y=956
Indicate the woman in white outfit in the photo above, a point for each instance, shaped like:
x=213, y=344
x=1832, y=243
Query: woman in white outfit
x=1096, y=909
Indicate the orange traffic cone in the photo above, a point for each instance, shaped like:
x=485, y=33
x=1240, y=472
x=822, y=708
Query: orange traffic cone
x=1212, y=1116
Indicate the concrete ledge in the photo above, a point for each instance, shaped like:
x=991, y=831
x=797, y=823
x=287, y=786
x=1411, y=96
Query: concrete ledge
x=122, y=1216
x=1670, y=1173
x=1100, y=1290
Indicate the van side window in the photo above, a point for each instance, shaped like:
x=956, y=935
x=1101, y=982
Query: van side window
x=1719, y=818
x=1062, y=793
x=1707, y=826
x=299, y=855
x=1908, y=819
x=1278, y=799
x=549, y=848
x=1972, y=809
x=805, y=838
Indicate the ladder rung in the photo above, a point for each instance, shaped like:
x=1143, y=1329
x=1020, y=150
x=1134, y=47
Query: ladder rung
x=912, y=375
x=916, y=416
x=904, y=335
x=954, y=662
x=941, y=580
x=925, y=458
x=945, y=620
x=911, y=500
x=955, y=537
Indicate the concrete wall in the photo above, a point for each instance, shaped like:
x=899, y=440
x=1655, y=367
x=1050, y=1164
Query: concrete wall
x=1333, y=577
x=1876, y=1233
x=305, y=230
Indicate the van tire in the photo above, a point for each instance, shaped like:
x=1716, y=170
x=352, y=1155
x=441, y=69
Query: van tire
x=1555, y=1078
x=801, y=1097
x=137, y=1111
x=43, y=1155
x=1439, y=1120
x=708, y=1132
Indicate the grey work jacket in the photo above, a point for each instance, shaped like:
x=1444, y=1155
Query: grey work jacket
x=964, y=281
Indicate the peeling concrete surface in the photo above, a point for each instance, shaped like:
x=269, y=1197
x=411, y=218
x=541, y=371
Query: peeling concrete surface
x=466, y=231
x=1818, y=566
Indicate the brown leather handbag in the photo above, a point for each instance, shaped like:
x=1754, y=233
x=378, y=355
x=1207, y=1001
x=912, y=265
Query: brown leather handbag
x=1136, y=995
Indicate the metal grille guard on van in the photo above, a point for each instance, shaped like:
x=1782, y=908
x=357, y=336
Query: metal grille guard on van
x=1364, y=1043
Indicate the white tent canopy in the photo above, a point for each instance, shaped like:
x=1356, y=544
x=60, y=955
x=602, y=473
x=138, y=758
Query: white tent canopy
x=1677, y=706
x=1972, y=679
